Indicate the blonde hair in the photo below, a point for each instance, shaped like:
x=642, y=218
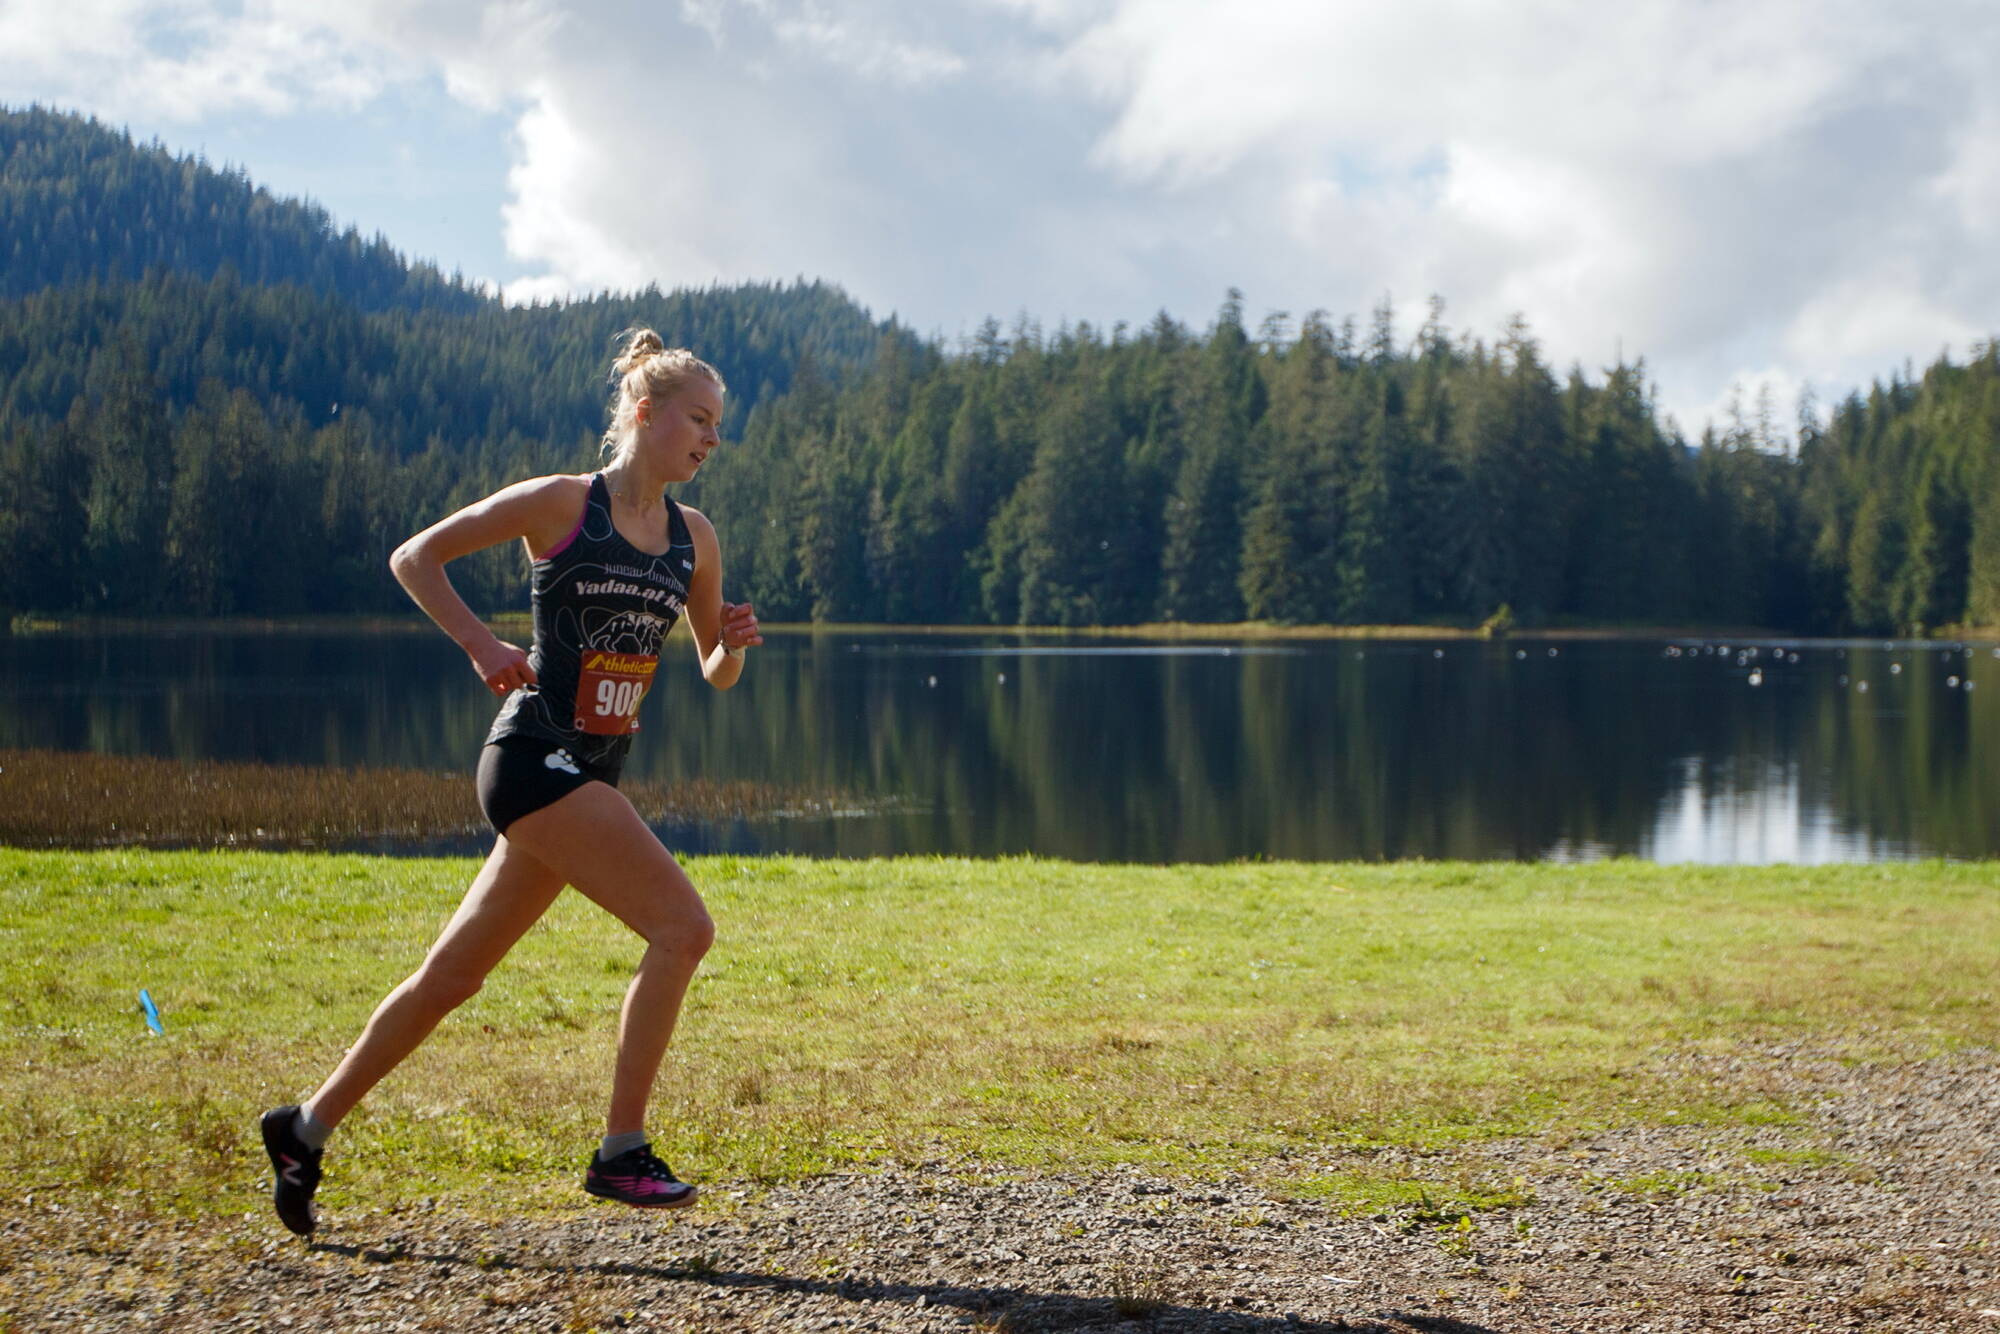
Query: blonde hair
x=648, y=368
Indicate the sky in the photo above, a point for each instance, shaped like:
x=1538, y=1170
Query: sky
x=1751, y=195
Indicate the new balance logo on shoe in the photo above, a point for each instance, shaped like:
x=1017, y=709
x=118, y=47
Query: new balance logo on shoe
x=560, y=760
x=294, y=1169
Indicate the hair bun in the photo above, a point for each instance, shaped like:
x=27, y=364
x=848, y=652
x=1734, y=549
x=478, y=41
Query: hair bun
x=640, y=344
x=648, y=368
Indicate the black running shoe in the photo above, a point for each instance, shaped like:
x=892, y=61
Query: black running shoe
x=294, y=1167
x=637, y=1178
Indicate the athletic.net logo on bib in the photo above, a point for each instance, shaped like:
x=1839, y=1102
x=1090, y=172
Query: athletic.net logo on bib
x=609, y=689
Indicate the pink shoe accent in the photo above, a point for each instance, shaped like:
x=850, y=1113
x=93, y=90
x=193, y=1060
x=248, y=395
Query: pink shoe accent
x=642, y=1191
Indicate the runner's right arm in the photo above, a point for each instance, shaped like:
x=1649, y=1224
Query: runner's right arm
x=541, y=511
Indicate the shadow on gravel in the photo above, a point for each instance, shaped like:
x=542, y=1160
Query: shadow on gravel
x=1002, y=1308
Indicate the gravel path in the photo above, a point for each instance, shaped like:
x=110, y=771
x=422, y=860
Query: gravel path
x=1877, y=1214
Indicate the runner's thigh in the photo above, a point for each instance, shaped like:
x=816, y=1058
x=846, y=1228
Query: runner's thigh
x=509, y=895
x=597, y=842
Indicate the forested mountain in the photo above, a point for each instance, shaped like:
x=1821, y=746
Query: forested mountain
x=251, y=427
x=497, y=378
x=1337, y=475
x=261, y=364
x=1899, y=497
x=81, y=201
x=1320, y=475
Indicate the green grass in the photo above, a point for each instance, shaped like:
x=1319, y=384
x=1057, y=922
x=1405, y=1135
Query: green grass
x=1024, y=1013
x=1411, y=1198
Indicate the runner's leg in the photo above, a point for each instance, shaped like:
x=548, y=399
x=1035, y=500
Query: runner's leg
x=510, y=893
x=597, y=842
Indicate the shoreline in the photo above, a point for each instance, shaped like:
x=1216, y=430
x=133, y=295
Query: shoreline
x=1218, y=631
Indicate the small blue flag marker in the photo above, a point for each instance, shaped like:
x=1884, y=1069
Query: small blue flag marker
x=152, y=1013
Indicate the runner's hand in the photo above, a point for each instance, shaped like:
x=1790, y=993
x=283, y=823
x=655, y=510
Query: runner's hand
x=739, y=627
x=503, y=667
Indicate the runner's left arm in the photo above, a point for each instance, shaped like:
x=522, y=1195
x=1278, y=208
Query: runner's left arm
x=722, y=630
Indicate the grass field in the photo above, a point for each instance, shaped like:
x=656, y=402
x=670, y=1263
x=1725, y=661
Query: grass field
x=1015, y=1012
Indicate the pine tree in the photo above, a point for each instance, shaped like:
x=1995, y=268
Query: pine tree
x=1204, y=511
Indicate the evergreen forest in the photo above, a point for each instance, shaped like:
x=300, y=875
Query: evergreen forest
x=214, y=402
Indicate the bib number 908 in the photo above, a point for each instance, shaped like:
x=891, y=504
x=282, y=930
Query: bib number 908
x=609, y=690
x=620, y=698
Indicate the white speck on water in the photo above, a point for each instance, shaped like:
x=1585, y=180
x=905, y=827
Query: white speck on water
x=1437, y=653
x=1520, y=653
x=1552, y=653
x=1756, y=678
x=1951, y=681
x=1003, y=678
x=1843, y=680
x=1861, y=686
x=932, y=682
x=1970, y=684
x=1895, y=669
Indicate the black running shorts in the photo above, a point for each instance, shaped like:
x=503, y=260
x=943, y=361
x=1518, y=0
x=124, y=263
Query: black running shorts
x=520, y=774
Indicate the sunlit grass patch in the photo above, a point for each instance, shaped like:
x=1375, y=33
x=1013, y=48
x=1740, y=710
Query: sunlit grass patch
x=1417, y=1198
x=1028, y=1014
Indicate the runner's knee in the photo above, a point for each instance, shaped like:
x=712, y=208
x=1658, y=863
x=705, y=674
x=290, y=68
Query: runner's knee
x=679, y=925
x=700, y=933
x=684, y=933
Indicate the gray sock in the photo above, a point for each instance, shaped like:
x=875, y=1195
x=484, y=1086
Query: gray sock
x=312, y=1132
x=616, y=1144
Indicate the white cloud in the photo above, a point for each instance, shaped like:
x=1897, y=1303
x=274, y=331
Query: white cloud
x=1684, y=180
x=706, y=15
x=866, y=55
x=1885, y=313
x=181, y=61
x=1791, y=192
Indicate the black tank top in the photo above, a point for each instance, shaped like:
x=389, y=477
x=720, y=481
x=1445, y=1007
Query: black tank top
x=601, y=608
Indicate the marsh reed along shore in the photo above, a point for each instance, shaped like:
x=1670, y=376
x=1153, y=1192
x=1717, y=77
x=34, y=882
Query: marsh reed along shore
x=66, y=799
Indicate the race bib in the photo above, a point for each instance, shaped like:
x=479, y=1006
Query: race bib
x=609, y=690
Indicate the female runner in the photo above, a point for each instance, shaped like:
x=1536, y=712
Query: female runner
x=615, y=564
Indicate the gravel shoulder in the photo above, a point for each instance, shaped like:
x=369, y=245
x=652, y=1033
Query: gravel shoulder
x=1875, y=1212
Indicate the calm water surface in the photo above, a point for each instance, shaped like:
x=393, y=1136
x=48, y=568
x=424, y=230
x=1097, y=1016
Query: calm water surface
x=1121, y=751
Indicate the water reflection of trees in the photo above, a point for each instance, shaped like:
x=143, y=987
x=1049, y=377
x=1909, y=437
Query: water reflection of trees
x=1373, y=751
x=1904, y=758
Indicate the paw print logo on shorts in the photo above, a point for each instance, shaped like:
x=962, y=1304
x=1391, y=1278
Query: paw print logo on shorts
x=560, y=759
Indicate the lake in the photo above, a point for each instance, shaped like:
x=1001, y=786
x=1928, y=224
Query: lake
x=1124, y=750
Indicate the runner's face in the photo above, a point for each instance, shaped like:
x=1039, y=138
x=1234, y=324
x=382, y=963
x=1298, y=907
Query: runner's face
x=680, y=430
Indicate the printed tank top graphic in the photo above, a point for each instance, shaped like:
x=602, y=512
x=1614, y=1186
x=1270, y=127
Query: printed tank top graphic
x=601, y=608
